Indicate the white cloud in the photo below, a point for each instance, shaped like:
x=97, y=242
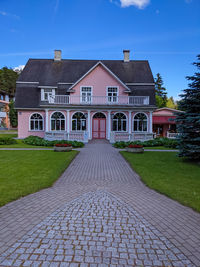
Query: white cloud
x=137, y=3
x=3, y=13
x=19, y=68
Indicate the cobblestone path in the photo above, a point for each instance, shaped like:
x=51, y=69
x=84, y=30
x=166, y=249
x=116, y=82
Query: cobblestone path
x=98, y=213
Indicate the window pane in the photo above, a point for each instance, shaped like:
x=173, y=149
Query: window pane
x=135, y=125
x=36, y=125
x=53, y=125
x=124, y=125
x=40, y=125
x=62, y=125
x=32, y=125
x=114, y=125
x=74, y=125
x=145, y=126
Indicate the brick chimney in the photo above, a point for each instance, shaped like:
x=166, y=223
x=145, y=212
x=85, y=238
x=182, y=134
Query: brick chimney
x=57, y=55
x=126, y=55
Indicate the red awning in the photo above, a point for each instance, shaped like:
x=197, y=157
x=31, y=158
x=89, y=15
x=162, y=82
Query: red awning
x=164, y=119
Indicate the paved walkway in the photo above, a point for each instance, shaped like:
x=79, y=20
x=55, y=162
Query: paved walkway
x=98, y=213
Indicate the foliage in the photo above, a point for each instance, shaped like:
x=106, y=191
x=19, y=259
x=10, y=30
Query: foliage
x=38, y=141
x=166, y=173
x=8, y=79
x=26, y=172
x=189, y=121
x=161, y=93
x=13, y=114
x=7, y=141
x=171, y=103
x=163, y=141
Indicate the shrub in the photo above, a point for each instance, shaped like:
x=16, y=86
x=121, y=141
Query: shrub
x=38, y=141
x=7, y=141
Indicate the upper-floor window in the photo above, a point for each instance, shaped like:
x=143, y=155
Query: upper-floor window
x=47, y=94
x=112, y=93
x=86, y=93
x=36, y=122
x=140, y=123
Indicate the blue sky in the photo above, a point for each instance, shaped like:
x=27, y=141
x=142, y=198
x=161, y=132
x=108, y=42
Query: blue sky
x=165, y=32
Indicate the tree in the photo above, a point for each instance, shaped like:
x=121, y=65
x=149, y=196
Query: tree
x=161, y=92
x=189, y=121
x=13, y=114
x=171, y=103
x=8, y=79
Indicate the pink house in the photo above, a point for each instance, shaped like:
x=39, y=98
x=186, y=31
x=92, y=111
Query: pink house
x=86, y=99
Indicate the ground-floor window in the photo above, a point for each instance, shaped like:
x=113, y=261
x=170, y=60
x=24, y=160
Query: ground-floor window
x=119, y=122
x=78, y=122
x=36, y=122
x=140, y=123
x=57, y=121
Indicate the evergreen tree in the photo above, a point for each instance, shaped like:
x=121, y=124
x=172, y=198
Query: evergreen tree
x=189, y=121
x=161, y=93
x=8, y=79
x=171, y=103
x=13, y=114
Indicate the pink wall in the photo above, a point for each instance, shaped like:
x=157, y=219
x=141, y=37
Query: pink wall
x=23, y=124
x=99, y=79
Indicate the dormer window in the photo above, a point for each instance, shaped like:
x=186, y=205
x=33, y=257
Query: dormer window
x=47, y=94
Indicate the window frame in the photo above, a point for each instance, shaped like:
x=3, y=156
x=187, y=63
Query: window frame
x=81, y=96
x=76, y=123
x=120, y=131
x=108, y=87
x=147, y=121
x=60, y=122
x=52, y=93
x=34, y=123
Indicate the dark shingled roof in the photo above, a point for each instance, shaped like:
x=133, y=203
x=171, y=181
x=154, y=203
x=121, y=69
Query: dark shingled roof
x=49, y=72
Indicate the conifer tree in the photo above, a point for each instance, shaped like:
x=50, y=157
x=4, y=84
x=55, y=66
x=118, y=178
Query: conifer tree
x=161, y=93
x=189, y=121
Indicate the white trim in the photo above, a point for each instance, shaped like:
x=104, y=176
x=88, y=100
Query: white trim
x=89, y=86
x=170, y=109
x=147, y=123
x=26, y=82
x=30, y=122
x=47, y=120
x=150, y=121
x=140, y=83
x=65, y=83
x=100, y=63
x=68, y=117
x=129, y=122
x=89, y=124
x=126, y=122
x=50, y=121
x=109, y=124
x=48, y=87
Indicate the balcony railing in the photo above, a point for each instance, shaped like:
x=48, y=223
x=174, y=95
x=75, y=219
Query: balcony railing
x=98, y=100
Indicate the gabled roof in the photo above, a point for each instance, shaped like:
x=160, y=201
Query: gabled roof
x=107, y=69
x=50, y=72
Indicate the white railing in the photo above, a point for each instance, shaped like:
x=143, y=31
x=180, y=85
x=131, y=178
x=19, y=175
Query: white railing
x=99, y=100
x=2, y=114
x=172, y=135
x=72, y=136
x=117, y=137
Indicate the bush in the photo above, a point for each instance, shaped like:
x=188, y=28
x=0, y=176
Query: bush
x=7, y=141
x=169, y=143
x=38, y=141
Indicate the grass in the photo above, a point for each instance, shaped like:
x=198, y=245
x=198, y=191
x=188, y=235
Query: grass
x=26, y=172
x=20, y=144
x=160, y=147
x=8, y=135
x=169, y=175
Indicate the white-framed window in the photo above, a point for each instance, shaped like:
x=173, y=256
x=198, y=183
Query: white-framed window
x=86, y=94
x=112, y=93
x=47, y=94
x=57, y=121
x=140, y=122
x=119, y=122
x=36, y=122
x=78, y=122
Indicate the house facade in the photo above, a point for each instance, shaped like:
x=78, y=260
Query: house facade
x=164, y=122
x=86, y=99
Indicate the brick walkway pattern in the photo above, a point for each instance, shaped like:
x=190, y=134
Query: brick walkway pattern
x=98, y=213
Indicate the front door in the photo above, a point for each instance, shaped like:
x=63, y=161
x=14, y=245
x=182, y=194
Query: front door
x=99, y=126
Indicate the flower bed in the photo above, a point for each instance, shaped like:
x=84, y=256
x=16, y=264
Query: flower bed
x=62, y=147
x=134, y=148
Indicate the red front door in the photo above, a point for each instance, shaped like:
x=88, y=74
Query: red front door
x=99, y=128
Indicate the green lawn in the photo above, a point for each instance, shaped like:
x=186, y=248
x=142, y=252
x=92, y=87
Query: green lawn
x=20, y=144
x=11, y=135
x=26, y=172
x=160, y=147
x=168, y=174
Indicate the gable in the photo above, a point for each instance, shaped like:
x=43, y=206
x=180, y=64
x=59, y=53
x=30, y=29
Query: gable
x=99, y=79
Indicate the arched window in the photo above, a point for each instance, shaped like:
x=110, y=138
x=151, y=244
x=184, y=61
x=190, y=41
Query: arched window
x=140, y=123
x=36, y=122
x=119, y=122
x=99, y=115
x=78, y=122
x=57, y=121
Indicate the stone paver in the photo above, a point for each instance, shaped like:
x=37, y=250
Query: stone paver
x=98, y=213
